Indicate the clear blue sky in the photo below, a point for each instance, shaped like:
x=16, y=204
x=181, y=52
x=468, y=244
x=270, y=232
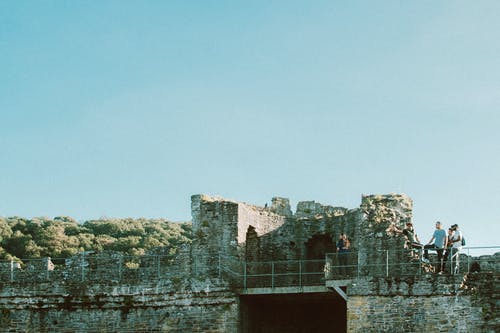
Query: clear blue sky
x=126, y=108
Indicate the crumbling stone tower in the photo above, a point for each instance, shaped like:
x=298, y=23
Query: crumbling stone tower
x=246, y=233
x=375, y=245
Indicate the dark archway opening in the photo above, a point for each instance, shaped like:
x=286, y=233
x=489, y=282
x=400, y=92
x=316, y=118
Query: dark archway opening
x=252, y=245
x=293, y=313
x=319, y=245
x=316, y=248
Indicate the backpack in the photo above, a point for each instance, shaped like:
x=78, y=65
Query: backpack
x=463, y=241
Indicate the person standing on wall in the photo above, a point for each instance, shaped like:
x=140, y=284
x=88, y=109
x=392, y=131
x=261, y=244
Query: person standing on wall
x=343, y=246
x=438, y=242
x=457, y=242
x=448, y=247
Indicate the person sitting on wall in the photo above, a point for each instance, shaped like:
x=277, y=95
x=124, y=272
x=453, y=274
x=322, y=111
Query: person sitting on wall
x=438, y=242
x=343, y=246
x=412, y=240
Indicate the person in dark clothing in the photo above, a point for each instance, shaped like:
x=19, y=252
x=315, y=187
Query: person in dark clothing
x=411, y=236
x=448, y=247
x=343, y=246
x=453, y=249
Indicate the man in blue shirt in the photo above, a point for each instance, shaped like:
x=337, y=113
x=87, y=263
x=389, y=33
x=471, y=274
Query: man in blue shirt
x=440, y=243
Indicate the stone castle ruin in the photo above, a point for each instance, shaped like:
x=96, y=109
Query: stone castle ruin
x=262, y=269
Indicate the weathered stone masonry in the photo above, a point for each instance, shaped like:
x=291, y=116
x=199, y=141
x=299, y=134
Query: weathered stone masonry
x=108, y=308
x=198, y=293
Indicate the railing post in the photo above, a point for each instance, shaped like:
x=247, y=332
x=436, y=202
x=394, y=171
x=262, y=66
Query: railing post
x=82, y=266
x=244, y=275
x=452, y=271
x=300, y=273
x=47, y=268
x=468, y=260
x=11, y=270
x=158, y=273
x=272, y=274
x=386, y=263
x=420, y=258
x=120, y=268
x=359, y=264
x=219, y=265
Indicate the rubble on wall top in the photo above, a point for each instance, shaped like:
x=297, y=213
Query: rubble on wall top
x=389, y=197
x=212, y=198
x=305, y=209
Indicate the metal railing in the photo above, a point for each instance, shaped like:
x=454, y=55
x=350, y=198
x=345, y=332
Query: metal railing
x=475, y=256
x=411, y=262
x=384, y=263
x=282, y=273
x=273, y=274
x=83, y=268
x=341, y=266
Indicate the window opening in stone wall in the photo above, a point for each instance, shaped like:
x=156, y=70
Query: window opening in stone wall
x=252, y=245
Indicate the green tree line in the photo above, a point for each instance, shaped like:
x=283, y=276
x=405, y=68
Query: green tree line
x=62, y=236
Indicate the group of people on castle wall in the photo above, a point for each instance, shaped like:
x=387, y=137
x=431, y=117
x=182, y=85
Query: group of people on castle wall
x=446, y=245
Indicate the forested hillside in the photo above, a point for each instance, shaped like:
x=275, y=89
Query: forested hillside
x=63, y=237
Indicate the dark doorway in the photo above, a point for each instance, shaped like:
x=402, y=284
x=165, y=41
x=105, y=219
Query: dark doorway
x=316, y=248
x=319, y=245
x=252, y=245
x=293, y=313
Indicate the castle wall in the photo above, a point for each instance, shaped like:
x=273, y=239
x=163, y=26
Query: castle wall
x=197, y=292
x=265, y=224
x=427, y=303
x=215, y=233
x=285, y=237
x=147, y=307
x=413, y=314
x=221, y=226
x=422, y=304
